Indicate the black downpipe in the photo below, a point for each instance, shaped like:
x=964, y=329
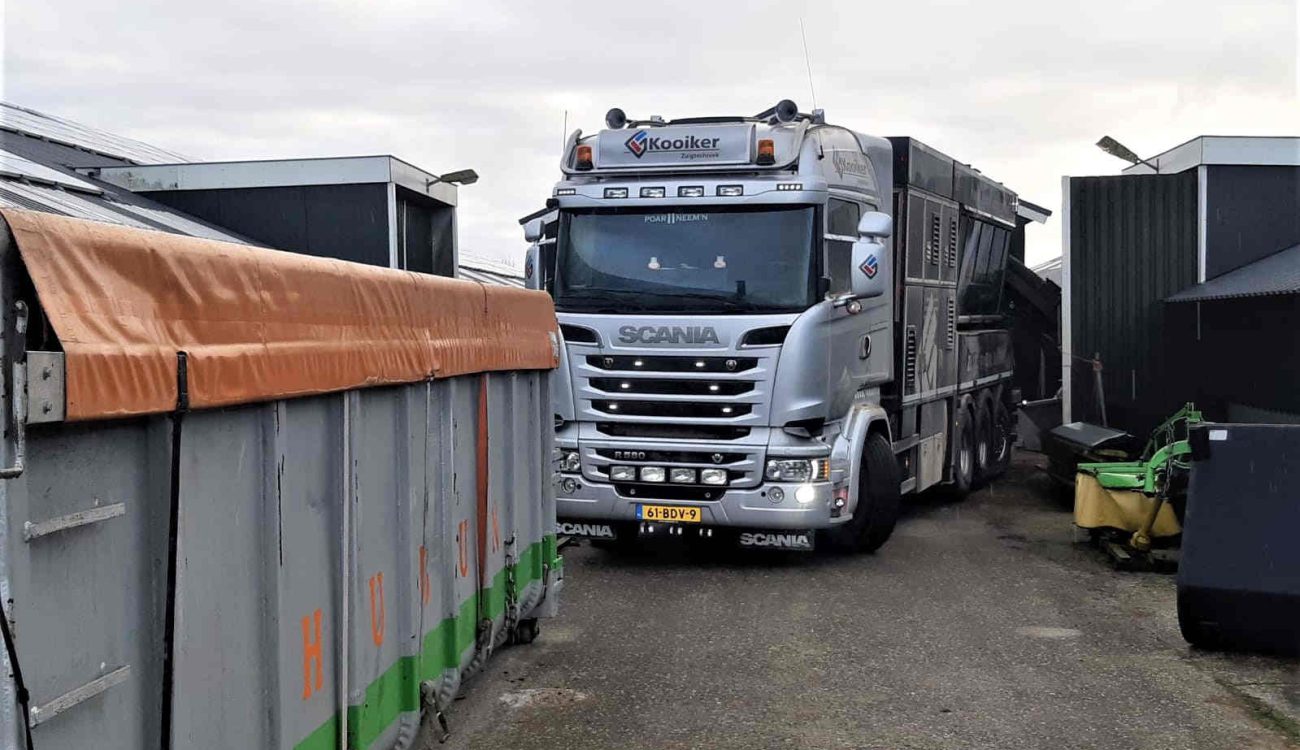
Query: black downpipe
x=173, y=532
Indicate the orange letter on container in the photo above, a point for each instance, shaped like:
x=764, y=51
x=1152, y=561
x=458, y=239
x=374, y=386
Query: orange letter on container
x=311, y=654
x=462, y=546
x=425, y=595
x=377, y=615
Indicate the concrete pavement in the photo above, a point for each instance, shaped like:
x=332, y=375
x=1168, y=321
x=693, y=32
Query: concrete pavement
x=980, y=624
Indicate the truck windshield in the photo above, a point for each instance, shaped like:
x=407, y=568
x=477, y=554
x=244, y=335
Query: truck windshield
x=713, y=260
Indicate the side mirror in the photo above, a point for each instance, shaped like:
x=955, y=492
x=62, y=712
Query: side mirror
x=875, y=224
x=533, y=230
x=532, y=267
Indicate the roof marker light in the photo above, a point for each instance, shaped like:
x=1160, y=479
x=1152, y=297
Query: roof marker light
x=616, y=192
x=766, y=152
x=652, y=192
x=565, y=191
x=582, y=160
x=690, y=191
x=783, y=186
x=731, y=191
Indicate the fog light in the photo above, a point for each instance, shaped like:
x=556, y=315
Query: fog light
x=776, y=494
x=682, y=476
x=570, y=462
x=713, y=476
x=622, y=473
x=840, y=497
x=652, y=473
x=805, y=494
x=569, y=486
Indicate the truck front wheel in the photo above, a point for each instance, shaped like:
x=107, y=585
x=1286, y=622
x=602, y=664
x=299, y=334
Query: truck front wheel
x=878, y=498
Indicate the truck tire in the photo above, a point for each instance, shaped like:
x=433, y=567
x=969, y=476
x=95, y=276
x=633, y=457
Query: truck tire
x=878, y=499
x=1001, y=430
x=963, y=463
x=983, y=443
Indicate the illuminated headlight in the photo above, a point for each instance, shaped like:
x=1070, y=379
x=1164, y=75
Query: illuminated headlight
x=652, y=473
x=691, y=191
x=622, y=473
x=805, y=494
x=713, y=476
x=731, y=191
x=616, y=192
x=682, y=476
x=570, y=462
x=652, y=192
x=798, y=470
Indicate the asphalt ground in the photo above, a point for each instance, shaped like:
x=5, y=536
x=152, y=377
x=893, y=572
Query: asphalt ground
x=981, y=624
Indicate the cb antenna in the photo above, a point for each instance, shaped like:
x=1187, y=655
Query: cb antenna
x=808, y=62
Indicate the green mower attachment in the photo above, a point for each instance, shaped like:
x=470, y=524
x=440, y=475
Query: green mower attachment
x=1153, y=475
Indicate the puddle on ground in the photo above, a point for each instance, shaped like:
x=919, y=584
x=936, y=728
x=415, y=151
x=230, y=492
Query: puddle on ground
x=542, y=697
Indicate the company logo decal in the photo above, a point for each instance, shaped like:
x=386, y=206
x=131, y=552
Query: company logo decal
x=641, y=142
x=668, y=335
x=636, y=144
x=798, y=540
x=528, y=266
x=870, y=266
x=593, y=530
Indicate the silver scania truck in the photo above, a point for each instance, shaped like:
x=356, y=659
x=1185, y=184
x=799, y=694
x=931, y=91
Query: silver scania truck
x=773, y=327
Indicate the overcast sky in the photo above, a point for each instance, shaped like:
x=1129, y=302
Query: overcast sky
x=1020, y=89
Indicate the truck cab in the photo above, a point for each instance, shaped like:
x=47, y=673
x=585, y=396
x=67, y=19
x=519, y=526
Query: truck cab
x=727, y=301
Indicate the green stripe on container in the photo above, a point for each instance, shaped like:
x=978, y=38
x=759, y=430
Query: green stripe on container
x=397, y=690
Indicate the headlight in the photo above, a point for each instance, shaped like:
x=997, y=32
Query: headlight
x=713, y=476
x=622, y=473
x=682, y=476
x=652, y=473
x=570, y=462
x=798, y=470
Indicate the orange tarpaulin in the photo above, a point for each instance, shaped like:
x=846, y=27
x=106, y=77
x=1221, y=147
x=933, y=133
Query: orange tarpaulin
x=257, y=324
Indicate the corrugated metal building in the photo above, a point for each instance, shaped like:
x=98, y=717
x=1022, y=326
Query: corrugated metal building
x=1194, y=215
x=373, y=209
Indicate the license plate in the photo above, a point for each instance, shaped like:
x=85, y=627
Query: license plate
x=669, y=513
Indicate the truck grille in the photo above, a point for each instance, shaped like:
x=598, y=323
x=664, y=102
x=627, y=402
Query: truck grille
x=674, y=397
x=654, y=363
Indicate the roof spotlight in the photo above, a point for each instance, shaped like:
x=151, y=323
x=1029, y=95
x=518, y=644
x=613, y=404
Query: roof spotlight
x=786, y=110
x=615, y=119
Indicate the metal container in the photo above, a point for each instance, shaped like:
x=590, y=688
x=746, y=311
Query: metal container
x=307, y=572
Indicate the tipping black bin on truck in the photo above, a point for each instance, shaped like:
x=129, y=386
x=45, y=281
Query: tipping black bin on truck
x=1239, y=578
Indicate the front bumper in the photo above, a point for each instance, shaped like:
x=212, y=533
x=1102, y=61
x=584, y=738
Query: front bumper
x=739, y=507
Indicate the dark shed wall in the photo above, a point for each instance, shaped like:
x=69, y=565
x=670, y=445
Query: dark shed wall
x=349, y=222
x=1251, y=212
x=1244, y=352
x=1133, y=242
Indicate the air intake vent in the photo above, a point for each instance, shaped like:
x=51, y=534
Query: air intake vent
x=952, y=323
x=935, y=245
x=909, y=359
x=952, y=243
x=774, y=336
x=578, y=334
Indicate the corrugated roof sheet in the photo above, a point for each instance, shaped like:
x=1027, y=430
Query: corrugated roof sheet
x=13, y=165
x=1278, y=273
x=23, y=120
